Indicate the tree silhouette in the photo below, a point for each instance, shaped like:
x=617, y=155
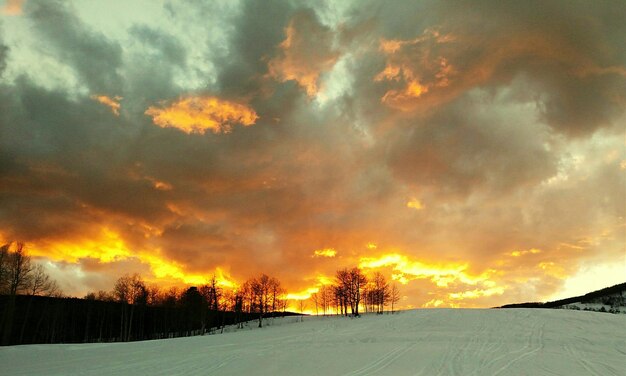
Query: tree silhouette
x=18, y=275
x=263, y=294
x=41, y=283
x=394, y=295
x=131, y=291
x=19, y=270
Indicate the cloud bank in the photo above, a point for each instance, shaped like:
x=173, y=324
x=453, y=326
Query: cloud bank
x=475, y=154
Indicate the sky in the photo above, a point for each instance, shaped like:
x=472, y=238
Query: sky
x=472, y=152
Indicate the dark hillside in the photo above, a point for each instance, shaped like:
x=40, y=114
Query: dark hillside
x=613, y=296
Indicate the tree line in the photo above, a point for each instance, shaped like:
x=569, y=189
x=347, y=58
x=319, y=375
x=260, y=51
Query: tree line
x=33, y=310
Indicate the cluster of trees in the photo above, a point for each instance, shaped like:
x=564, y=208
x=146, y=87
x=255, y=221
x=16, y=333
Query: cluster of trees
x=353, y=289
x=19, y=275
x=262, y=295
x=33, y=310
x=200, y=309
x=205, y=307
x=134, y=310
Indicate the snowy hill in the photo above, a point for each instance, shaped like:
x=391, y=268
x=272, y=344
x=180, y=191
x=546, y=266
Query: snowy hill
x=611, y=299
x=421, y=342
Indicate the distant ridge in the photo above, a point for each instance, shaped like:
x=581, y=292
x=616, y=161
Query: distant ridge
x=611, y=296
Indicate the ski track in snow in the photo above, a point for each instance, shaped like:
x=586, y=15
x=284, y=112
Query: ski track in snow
x=421, y=342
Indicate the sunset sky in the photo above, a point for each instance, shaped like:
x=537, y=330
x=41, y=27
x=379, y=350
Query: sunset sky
x=475, y=152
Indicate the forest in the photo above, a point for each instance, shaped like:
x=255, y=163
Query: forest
x=34, y=310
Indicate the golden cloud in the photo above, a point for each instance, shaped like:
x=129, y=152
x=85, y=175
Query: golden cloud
x=416, y=75
x=109, y=247
x=533, y=251
x=112, y=103
x=327, y=252
x=302, y=295
x=415, y=204
x=199, y=114
x=476, y=293
x=407, y=270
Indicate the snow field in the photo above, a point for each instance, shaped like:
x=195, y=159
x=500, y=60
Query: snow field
x=422, y=342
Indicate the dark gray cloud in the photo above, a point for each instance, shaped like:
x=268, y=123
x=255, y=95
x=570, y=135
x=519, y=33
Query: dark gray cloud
x=568, y=52
x=463, y=148
x=95, y=58
x=253, y=41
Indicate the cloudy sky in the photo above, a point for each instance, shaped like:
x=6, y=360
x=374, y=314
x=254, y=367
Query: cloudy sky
x=473, y=152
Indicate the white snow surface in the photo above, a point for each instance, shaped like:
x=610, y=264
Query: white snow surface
x=421, y=342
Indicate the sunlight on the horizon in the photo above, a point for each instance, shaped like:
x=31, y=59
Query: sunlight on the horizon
x=109, y=247
x=406, y=270
x=592, y=278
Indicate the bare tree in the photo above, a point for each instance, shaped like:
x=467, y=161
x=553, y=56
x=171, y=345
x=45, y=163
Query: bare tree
x=326, y=298
x=277, y=292
x=394, y=295
x=302, y=306
x=132, y=291
x=19, y=276
x=41, y=283
x=315, y=298
x=212, y=293
x=348, y=290
x=237, y=302
x=19, y=270
x=153, y=294
x=357, y=282
x=380, y=293
x=263, y=293
x=341, y=291
x=4, y=268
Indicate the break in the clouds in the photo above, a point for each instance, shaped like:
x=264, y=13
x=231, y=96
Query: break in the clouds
x=473, y=152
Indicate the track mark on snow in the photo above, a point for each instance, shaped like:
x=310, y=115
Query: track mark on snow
x=538, y=346
x=382, y=362
x=576, y=355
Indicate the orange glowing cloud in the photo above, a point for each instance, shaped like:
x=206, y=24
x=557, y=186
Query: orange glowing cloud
x=453, y=284
x=112, y=103
x=13, y=7
x=302, y=295
x=200, y=114
x=415, y=204
x=532, y=251
x=416, y=78
x=327, y=252
x=305, y=53
x=435, y=67
x=441, y=274
x=109, y=247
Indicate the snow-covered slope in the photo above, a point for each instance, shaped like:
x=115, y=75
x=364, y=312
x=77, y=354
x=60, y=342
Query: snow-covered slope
x=422, y=342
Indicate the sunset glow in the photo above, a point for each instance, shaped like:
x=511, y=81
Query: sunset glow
x=473, y=156
x=328, y=252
